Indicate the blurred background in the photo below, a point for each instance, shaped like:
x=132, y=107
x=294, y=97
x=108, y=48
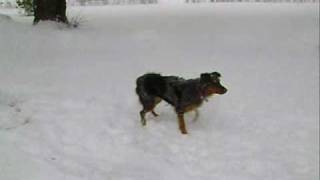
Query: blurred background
x=13, y=4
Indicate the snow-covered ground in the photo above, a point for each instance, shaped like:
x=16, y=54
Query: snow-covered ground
x=68, y=109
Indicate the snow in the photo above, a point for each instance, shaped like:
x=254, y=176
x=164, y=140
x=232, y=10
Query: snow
x=68, y=109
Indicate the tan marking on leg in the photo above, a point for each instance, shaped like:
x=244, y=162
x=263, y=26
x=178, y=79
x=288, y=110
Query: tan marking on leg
x=182, y=125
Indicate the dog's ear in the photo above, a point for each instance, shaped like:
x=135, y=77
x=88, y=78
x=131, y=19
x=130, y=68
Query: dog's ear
x=205, y=77
x=216, y=74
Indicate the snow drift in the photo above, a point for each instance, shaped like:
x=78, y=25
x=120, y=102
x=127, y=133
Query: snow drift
x=68, y=109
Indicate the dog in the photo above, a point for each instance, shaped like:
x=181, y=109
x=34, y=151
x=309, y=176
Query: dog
x=184, y=95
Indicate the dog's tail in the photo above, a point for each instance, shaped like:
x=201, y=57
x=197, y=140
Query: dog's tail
x=139, y=83
x=141, y=88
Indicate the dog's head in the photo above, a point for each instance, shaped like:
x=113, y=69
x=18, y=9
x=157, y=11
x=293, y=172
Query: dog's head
x=211, y=83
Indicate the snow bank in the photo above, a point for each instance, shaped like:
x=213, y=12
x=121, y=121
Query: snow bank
x=4, y=17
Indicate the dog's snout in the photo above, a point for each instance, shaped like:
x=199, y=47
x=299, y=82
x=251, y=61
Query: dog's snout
x=224, y=90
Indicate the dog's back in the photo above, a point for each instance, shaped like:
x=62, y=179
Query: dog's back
x=154, y=85
x=151, y=85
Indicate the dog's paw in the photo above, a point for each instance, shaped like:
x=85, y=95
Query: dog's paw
x=143, y=122
x=183, y=131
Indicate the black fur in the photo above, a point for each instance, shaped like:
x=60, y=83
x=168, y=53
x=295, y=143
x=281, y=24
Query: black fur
x=183, y=95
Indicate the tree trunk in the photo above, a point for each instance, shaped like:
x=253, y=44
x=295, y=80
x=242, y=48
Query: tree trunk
x=54, y=10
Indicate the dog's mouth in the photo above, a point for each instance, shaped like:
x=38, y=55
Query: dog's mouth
x=215, y=90
x=223, y=91
x=220, y=90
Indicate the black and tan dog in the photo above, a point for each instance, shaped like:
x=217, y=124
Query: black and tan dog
x=183, y=95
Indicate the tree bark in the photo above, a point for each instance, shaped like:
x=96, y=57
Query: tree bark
x=54, y=10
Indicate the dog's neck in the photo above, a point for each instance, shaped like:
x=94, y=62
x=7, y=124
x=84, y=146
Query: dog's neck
x=203, y=94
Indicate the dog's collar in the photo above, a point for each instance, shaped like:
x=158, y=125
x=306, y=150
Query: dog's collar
x=203, y=94
x=204, y=98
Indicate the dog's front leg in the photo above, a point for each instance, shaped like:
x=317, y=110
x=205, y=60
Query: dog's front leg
x=182, y=125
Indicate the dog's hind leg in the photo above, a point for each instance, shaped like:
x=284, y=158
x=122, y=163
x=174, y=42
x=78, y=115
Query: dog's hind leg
x=143, y=114
x=157, y=100
x=143, y=119
x=148, y=105
x=154, y=113
x=196, y=115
